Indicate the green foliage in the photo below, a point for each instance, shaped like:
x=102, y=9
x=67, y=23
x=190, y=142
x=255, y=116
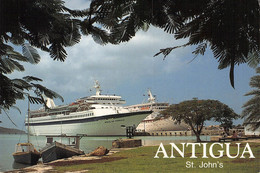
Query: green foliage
x=14, y=89
x=195, y=112
x=8, y=96
x=230, y=28
x=42, y=23
x=252, y=107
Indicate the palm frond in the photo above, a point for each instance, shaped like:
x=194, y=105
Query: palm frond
x=31, y=54
x=251, y=109
x=58, y=52
x=16, y=55
x=8, y=65
x=200, y=49
x=31, y=78
x=49, y=93
x=35, y=100
x=100, y=36
x=253, y=93
x=168, y=50
x=255, y=81
x=21, y=84
x=44, y=39
x=73, y=36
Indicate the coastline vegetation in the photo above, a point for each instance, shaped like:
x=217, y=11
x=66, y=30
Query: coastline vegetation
x=142, y=160
x=195, y=112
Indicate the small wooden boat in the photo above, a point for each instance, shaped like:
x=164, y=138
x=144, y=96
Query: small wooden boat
x=56, y=150
x=26, y=153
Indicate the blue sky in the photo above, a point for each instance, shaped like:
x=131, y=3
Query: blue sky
x=129, y=69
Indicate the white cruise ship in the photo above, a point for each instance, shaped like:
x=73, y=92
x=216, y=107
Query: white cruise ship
x=155, y=122
x=97, y=115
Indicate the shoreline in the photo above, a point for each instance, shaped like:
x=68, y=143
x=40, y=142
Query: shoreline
x=85, y=159
x=81, y=159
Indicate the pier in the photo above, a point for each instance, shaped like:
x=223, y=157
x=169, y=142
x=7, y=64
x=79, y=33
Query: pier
x=165, y=133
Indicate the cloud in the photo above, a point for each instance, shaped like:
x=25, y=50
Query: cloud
x=111, y=64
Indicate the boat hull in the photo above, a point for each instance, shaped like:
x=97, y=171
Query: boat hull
x=109, y=125
x=57, y=151
x=29, y=158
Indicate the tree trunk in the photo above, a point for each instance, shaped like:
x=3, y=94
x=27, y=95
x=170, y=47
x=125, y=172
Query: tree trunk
x=197, y=133
x=226, y=130
x=198, y=137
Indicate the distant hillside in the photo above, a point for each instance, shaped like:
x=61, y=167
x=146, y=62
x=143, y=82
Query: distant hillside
x=10, y=131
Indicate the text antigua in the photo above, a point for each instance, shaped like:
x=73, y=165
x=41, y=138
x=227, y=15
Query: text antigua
x=246, y=149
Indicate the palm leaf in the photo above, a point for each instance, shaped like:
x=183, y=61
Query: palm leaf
x=254, y=92
x=99, y=36
x=16, y=55
x=49, y=93
x=200, y=49
x=35, y=100
x=21, y=84
x=253, y=59
x=168, y=50
x=58, y=52
x=9, y=65
x=31, y=54
x=31, y=78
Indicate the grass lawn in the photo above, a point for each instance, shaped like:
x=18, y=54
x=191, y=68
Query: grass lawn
x=142, y=160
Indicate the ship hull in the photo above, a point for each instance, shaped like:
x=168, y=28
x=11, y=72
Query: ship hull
x=109, y=125
x=166, y=124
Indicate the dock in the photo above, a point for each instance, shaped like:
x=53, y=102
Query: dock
x=165, y=133
x=232, y=139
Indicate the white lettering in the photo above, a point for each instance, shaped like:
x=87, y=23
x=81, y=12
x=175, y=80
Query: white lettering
x=204, y=150
x=249, y=151
x=220, y=151
x=228, y=153
x=177, y=149
x=162, y=151
x=193, y=149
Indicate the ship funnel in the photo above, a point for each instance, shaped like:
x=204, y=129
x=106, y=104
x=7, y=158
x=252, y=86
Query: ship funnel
x=50, y=103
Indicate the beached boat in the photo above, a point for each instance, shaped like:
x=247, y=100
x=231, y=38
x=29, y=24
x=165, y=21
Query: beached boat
x=56, y=150
x=96, y=115
x=25, y=152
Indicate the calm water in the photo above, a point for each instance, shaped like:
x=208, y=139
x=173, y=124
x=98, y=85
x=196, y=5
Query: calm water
x=87, y=144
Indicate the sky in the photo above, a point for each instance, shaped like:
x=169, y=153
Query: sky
x=129, y=70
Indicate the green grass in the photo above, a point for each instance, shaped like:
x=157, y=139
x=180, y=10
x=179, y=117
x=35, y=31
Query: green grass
x=142, y=160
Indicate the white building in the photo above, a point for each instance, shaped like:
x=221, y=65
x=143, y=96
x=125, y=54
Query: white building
x=249, y=131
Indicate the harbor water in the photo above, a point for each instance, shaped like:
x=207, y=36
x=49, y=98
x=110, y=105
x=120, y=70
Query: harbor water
x=87, y=144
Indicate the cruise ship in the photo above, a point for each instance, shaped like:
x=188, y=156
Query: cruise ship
x=97, y=115
x=156, y=122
